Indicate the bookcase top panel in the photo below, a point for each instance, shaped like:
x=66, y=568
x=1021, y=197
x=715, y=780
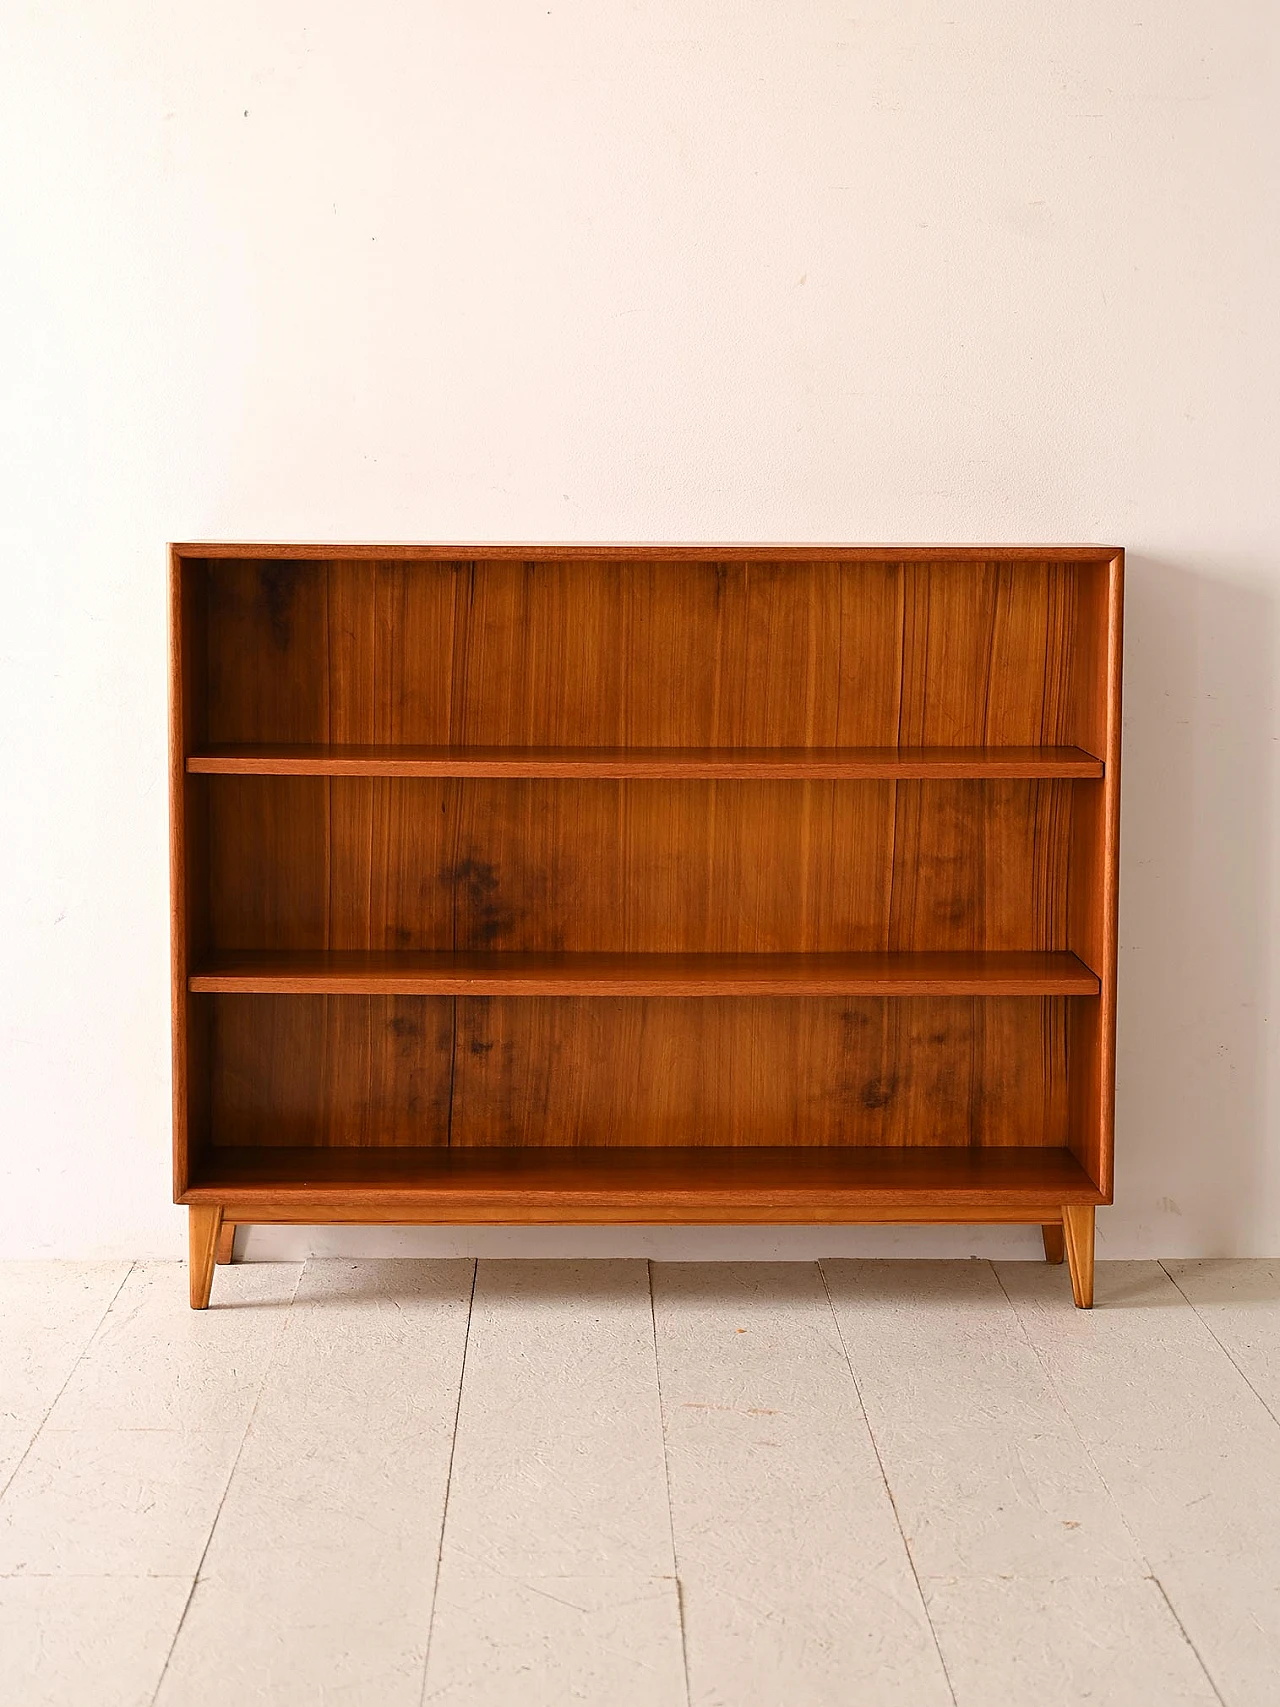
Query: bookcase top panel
x=467, y=551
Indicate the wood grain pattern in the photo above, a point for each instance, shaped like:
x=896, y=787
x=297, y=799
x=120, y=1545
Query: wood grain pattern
x=1055, y=1249
x=764, y=1072
x=323, y=1070
x=226, y=1244
x=1078, y=1231
x=985, y=654
x=572, y=866
x=414, y=1071
x=355, y=973
x=717, y=654
x=738, y=652
x=698, y=763
x=658, y=1185
x=204, y=1224
x=979, y=865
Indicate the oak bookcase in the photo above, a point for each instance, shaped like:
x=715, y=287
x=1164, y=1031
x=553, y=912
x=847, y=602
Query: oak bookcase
x=644, y=884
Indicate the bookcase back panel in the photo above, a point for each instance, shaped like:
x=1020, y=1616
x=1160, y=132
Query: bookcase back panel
x=641, y=653
x=637, y=866
x=352, y=1070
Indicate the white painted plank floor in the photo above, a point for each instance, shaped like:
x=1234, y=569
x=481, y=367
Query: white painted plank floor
x=392, y=1483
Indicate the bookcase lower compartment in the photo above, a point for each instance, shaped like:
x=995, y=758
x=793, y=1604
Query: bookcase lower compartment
x=643, y=1185
x=429, y=1109
x=516, y=1072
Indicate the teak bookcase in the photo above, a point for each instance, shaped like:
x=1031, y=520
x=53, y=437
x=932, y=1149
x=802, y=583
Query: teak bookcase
x=644, y=884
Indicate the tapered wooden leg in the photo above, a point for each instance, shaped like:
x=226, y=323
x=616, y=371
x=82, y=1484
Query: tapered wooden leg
x=1055, y=1247
x=1077, y=1226
x=203, y=1227
x=227, y=1239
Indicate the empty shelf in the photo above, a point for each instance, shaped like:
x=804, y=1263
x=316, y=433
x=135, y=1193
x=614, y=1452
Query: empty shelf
x=547, y=1184
x=479, y=974
x=744, y=763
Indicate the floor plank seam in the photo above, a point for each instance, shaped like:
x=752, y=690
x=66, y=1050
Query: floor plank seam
x=226, y=1486
x=448, y=1486
x=666, y=1480
x=893, y=1504
x=1138, y=1548
x=76, y=1362
x=1223, y=1347
x=1182, y=1631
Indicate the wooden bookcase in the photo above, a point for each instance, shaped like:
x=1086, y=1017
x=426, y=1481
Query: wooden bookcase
x=644, y=884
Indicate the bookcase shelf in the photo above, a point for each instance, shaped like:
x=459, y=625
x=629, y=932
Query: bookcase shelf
x=446, y=973
x=641, y=1183
x=742, y=763
x=458, y=831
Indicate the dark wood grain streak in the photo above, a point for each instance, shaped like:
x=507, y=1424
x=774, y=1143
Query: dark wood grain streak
x=737, y=1071
x=638, y=866
x=599, y=1070
x=322, y=1070
x=572, y=653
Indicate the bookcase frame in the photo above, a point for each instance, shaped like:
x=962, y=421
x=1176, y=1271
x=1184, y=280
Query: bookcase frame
x=692, y=884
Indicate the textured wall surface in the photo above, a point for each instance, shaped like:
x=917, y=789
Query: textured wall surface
x=688, y=270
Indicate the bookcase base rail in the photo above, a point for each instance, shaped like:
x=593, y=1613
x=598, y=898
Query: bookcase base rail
x=1068, y=1229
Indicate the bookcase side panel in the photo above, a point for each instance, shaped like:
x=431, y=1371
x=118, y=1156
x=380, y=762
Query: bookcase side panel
x=188, y=851
x=1094, y=870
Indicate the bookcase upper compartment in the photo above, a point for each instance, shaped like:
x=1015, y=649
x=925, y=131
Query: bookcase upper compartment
x=644, y=653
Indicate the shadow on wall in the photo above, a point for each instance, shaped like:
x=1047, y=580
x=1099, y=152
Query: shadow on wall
x=1195, y=913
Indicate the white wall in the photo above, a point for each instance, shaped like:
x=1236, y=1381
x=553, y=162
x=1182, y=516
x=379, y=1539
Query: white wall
x=460, y=269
